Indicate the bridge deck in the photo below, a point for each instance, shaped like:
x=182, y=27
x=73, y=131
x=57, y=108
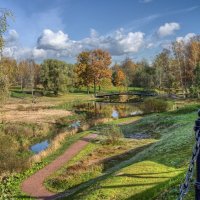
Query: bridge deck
x=125, y=93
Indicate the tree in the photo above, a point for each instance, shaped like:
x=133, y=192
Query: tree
x=23, y=74
x=164, y=70
x=93, y=68
x=129, y=68
x=145, y=76
x=4, y=83
x=196, y=86
x=9, y=69
x=54, y=75
x=83, y=70
x=99, y=65
x=178, y=49
x=118, y=78
x=4, y=15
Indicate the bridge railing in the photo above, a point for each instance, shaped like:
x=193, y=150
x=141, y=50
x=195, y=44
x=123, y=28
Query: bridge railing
x=184, y=188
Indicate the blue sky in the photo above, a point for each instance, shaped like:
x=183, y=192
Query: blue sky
x=62, y=28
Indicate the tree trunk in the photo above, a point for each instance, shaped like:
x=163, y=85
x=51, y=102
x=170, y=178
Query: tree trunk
x=94, y=87
x=21, y=84
x=88, y=89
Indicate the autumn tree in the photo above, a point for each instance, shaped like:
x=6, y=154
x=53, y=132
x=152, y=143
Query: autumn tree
x=93, y=68
x=36, y=74
x=9, y=69
x=99, y=62
x=129, y=68
x=164, y=70
x=54, y=75
x=23, y=74
x=83, y=70
x=196, y=85
x=118, y=78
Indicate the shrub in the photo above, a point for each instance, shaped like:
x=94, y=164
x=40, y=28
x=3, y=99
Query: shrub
x=20, y=108
x=18, y=130
x=8, y=155
x=113, y=134
x=151, y=105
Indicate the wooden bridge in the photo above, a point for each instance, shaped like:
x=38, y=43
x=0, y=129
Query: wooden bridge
x=137, y=93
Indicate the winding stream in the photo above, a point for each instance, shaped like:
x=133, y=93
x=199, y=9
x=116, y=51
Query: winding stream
x=96, y=109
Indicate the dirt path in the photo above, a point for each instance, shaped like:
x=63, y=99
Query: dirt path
x=34, y=187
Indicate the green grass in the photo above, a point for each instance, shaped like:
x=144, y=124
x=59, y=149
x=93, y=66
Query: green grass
x=131, y=182
x=77, y=170
x=164, y=163
x=20, y=95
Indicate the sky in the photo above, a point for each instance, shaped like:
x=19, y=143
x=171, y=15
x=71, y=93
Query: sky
x=61, y=29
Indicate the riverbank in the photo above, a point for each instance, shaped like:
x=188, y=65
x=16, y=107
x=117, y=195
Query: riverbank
x=136, y=129
x=154, y=173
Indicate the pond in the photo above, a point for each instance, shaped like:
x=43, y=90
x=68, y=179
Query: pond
x=92, y=110
x=107, y=110
x=37, y=148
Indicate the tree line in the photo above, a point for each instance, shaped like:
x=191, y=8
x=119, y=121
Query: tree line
x=172, y=70
x=176, y=69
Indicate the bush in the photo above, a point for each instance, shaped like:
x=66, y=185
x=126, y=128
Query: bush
x=151, y=105
x=113, y=134
x=8, y=155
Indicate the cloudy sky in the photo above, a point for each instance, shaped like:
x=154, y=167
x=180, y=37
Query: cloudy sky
x=63, y=28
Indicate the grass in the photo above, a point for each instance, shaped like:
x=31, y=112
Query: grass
x=130, y=182
x=174, y=130
x=93, y=161
x=10, y=189
x=154, y=173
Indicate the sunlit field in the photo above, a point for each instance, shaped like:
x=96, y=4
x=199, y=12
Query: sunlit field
x=99, y=99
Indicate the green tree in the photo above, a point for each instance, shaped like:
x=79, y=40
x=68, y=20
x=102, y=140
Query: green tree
x=4, y=80
x=164, y=71
x=54, y=75
x=196, y=87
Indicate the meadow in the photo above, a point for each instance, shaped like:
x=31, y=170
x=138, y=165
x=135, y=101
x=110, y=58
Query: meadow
x=134, y=157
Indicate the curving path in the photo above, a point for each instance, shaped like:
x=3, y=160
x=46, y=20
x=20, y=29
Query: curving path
x=34, y=187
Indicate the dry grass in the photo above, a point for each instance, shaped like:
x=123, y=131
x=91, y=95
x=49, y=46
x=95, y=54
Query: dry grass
x=55, y=144
x=23, y=111
x=59, y=139
x=36, y=116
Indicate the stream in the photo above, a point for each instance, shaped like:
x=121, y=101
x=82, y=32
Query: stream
x=96, y=109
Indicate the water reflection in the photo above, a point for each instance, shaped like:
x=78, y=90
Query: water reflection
x=115, y=114
x=101, y=109
x=37, y=148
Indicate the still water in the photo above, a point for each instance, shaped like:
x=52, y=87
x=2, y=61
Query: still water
x=102, y=109
x=99, y=110
x=37, y=148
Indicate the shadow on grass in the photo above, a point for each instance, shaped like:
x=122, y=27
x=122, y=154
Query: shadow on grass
x=158, y=191
x=128, y=185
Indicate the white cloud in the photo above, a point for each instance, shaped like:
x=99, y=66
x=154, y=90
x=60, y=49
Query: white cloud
x=39, y=53
x=11, y=38
x=60, y=45
x=52, y=40
x=186, y=38
x=118, y=43
x=168, y=29
x=131, y=42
